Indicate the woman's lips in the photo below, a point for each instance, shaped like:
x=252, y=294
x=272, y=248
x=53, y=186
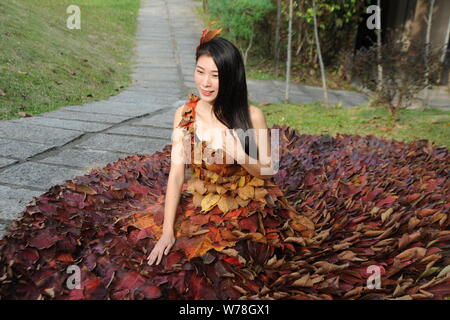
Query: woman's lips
x=206, y=93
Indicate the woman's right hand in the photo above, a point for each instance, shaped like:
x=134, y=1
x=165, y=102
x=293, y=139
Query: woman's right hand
x=163, y=246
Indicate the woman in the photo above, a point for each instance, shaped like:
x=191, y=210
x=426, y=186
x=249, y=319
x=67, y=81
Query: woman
x=228, y=233
x=220, y=79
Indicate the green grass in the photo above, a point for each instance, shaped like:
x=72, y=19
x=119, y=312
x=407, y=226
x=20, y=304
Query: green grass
x=316, y=119
x=44, y=65
x=261, y=68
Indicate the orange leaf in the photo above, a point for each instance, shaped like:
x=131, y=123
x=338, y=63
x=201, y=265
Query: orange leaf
x=65, y=257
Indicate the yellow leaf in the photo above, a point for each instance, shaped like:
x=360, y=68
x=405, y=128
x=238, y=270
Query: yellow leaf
x=227, y=203
x=247, y=192
x=242, y=202
x=256, y=182
x=415, y=252
x=298, y=240
x=220, y=190
x=85, y=188
x=197, y=199
x=196, y=185
x=386, y=214
x=304, y=281
x=211, y=188
x=260, y=193
x=209, y=201
x=214, y=177
x=257, y=237
x=241, y=182
x=200, y=232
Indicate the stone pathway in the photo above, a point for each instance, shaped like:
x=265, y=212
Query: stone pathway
x=41, y=151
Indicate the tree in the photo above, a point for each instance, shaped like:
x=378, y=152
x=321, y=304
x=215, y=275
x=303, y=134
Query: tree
x=429, y=22
x=238, y=18
x=289, y=53
x=445, y=47
x=379, y=42
x=319, y=53
x=277, y=38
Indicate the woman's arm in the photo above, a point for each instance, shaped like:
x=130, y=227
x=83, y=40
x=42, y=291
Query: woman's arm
x=262, y=139
x=176, y=176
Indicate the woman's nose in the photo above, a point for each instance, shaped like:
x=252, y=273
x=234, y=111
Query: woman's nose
x=206, y=80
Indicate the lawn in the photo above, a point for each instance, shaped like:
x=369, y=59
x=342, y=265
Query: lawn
x=44, y=65
x=432, y=125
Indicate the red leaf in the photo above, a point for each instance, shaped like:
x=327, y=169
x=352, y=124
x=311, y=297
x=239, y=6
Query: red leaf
x=43, y=241
x=151, y=292
x=249, y=224
x=232, y=260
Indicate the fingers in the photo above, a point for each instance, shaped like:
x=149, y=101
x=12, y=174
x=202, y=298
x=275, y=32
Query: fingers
x=154, y=255
x=157, y=254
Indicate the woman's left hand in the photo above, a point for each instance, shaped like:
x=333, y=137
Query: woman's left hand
x=231, y=145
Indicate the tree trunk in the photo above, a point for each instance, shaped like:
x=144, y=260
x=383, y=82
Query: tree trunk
x=205, y=6
x=319, y=54
x=379, y=43
x=277, y=39
x=444, y=50
x=289, y=55
x=429, y=21
x=247, y=50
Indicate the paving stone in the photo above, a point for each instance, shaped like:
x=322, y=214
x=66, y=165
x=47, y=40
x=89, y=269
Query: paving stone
x=64, y=124
x=118, y=108
x=143, y=101
x=37, y=175
x=126, y=144
x=83, y=158
x=14, y=201
x=3, y=230
x=142, y=131
x=163, y=120
x=82, y=116
x=32, y=133
x=4, y=162
x=22, y=149
x=155, y=77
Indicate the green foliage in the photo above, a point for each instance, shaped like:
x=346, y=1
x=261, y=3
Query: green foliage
x=238, y=17
x=338, y=11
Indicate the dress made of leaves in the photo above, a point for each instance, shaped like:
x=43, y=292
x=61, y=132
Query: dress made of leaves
x=337, y=207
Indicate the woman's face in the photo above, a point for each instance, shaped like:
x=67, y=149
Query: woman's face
x=207, y=78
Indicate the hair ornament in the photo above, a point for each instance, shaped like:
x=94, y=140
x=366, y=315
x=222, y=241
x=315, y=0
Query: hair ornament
x=207, y=35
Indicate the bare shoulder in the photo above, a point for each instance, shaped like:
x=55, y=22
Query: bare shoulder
x=178, y=115
x=257, y=116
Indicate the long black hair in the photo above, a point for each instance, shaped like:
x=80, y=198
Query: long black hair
x=231, y=104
